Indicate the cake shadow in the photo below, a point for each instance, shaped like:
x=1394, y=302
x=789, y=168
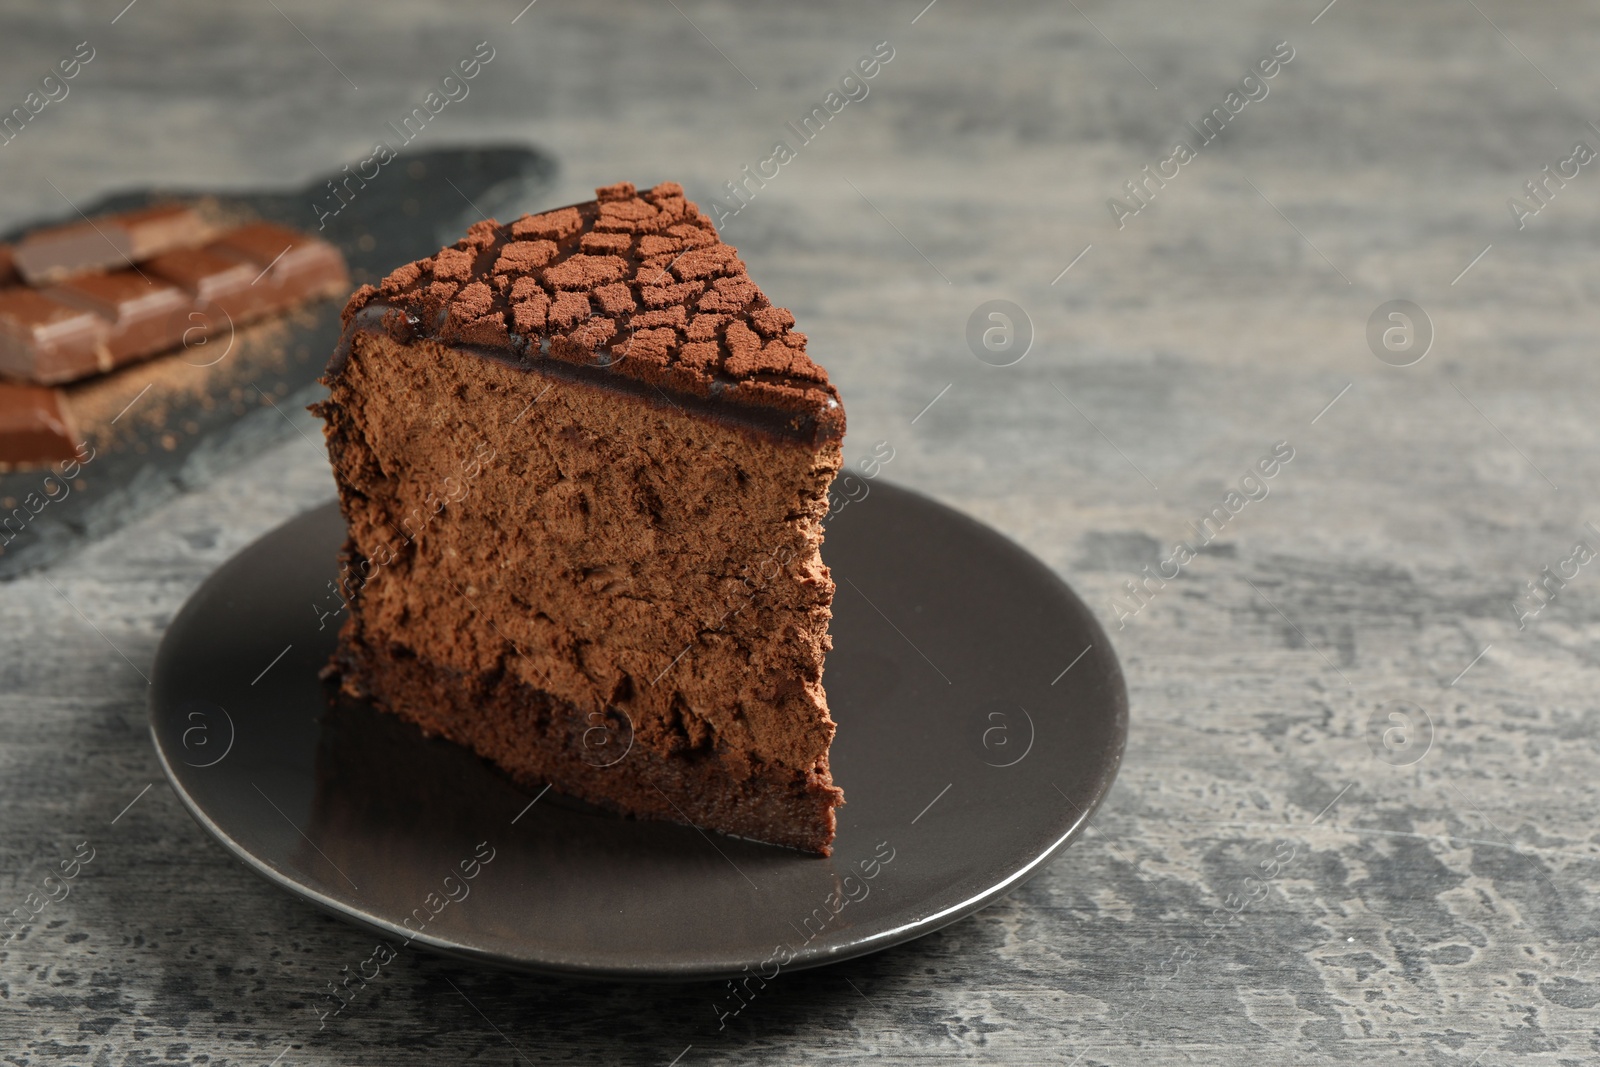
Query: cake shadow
x=376, y=772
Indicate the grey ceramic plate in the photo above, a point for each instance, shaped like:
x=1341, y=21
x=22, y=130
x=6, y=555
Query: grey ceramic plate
x=981, y=718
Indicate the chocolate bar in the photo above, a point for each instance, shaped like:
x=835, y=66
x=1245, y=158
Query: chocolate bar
x=109, y=243
x=45, y=339
x=89, y=324
x=94, y=323
x=34, y=423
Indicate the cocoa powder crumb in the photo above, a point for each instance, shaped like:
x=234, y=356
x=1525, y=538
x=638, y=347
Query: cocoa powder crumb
x=480, y=235
x=772, y=321
x=584, y=272
x=614, y=299
x=531, y=314
x=619, y=191
x=402, y=278
x=453, y=263
x=520, y=257
x=615, y=244
x=568, y=309
x=552, y=225
x=670, y=316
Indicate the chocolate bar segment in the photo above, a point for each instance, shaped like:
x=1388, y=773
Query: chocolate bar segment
x=110, y=243
x=46, y=339
x=216, y=278
x=8, y=269
x=34, y=423
x=292, y=263
x=145, y=315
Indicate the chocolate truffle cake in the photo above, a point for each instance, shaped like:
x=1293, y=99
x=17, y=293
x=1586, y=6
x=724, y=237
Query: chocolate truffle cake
x=585, y=463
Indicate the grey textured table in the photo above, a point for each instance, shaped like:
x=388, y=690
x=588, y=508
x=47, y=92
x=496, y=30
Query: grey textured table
x=1424, y=885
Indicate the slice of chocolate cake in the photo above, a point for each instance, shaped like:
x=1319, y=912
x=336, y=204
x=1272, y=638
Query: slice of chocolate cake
x=585, y=463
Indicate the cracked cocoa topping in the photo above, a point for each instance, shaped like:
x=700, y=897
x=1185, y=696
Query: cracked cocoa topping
x=636, y=287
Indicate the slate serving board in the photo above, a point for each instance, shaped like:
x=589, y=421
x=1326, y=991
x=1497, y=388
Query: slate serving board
x=199, y=418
